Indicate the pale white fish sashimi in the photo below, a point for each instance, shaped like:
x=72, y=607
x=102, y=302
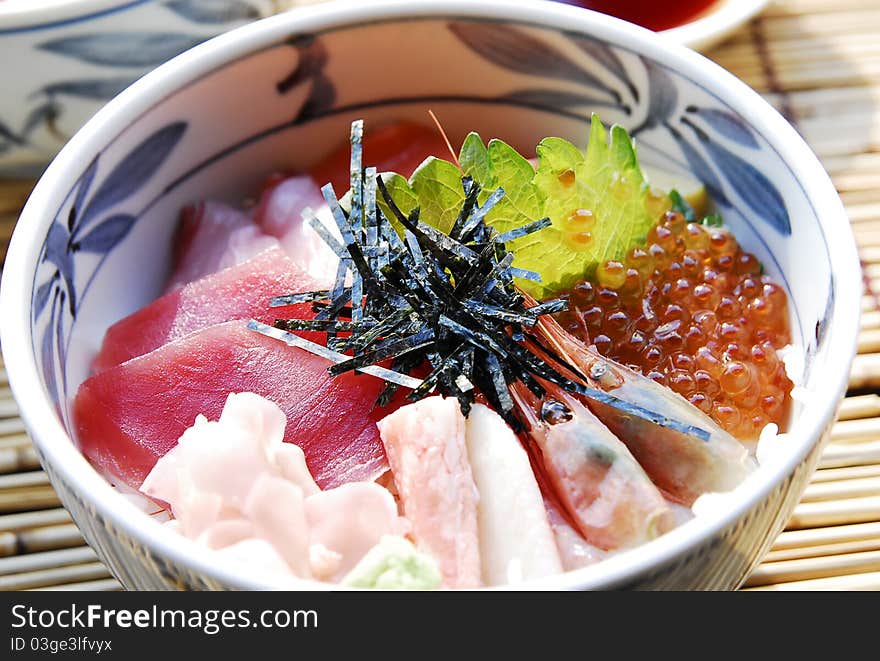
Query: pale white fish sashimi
x=280, y=214
x=234, y=484
x=213, y=236
x=516, y=541
x=426, y=449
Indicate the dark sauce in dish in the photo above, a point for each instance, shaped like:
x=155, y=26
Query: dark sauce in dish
x=654, y=15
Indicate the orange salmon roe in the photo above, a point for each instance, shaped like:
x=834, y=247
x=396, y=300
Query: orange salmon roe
x=691, y=310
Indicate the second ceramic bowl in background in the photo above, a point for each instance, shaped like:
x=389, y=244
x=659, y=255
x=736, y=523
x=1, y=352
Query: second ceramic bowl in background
x=63, y=59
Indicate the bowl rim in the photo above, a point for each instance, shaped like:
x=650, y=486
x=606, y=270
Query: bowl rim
x=60, y=450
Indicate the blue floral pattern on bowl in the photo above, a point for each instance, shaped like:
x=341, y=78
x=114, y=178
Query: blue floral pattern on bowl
x=91, y=227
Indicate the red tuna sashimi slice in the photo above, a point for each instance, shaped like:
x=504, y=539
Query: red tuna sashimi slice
x=128, y=416
x=212, y=236
x=239, y=292
x=425, y=444
x=399, y=147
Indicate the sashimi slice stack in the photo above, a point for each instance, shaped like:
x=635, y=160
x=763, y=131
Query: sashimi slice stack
x=184, y=353
x=128, y=416
x=239, y=292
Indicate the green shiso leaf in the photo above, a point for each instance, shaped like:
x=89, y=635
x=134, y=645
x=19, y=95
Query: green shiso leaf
x=606, y=181
x=403, y=195
x=682, y=206
x=437, y=184
x=474, y=159
x=713, y=220
x=500, y=165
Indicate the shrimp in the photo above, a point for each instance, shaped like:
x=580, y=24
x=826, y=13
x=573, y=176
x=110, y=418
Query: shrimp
x=607, y=495
x=683, y=465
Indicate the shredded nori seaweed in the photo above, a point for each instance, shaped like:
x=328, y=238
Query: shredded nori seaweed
x=446, y=301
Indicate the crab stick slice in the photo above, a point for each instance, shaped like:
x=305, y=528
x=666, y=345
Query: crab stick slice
x=516, y=540
x=425, y=445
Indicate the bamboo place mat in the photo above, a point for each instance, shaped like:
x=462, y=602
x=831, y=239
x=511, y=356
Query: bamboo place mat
x=818, y=62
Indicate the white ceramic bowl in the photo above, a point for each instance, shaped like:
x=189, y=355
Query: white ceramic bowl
x=93, y=243
x=63, y=59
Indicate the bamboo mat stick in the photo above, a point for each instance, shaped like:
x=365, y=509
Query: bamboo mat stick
x=791, y=539
x=29, y=498
x=864, y=229
x=866, y=184
x=856, y=431
x=865, y=581
x=858, y=137
x=19, y=440
x=34, y=540
x=809, y=568
x=11, y=426
x=791, y=69
x=798, y=49
x=815, y=107
x=16, y=459
x=25, y=520
x=869, y=341
x=815, y=6
x=865, y=371
x=816, y=75
x=8, y=544
x=847, y=473
x=863, y=198
x=852, y=162
x=46, y=560
x=50, y=538
x=865, y=235
x=836, y=24
x=863, y=406
x=28, y=479
x=858, y=181
x=8, y=407
x=862, y=214
x=54, y=577
x=850, y=454
x=13, y=194
x=835, y=512
x=105, y=585
x=841, y=490
x=870, y=320
x=858, y=546
x=6, y=227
